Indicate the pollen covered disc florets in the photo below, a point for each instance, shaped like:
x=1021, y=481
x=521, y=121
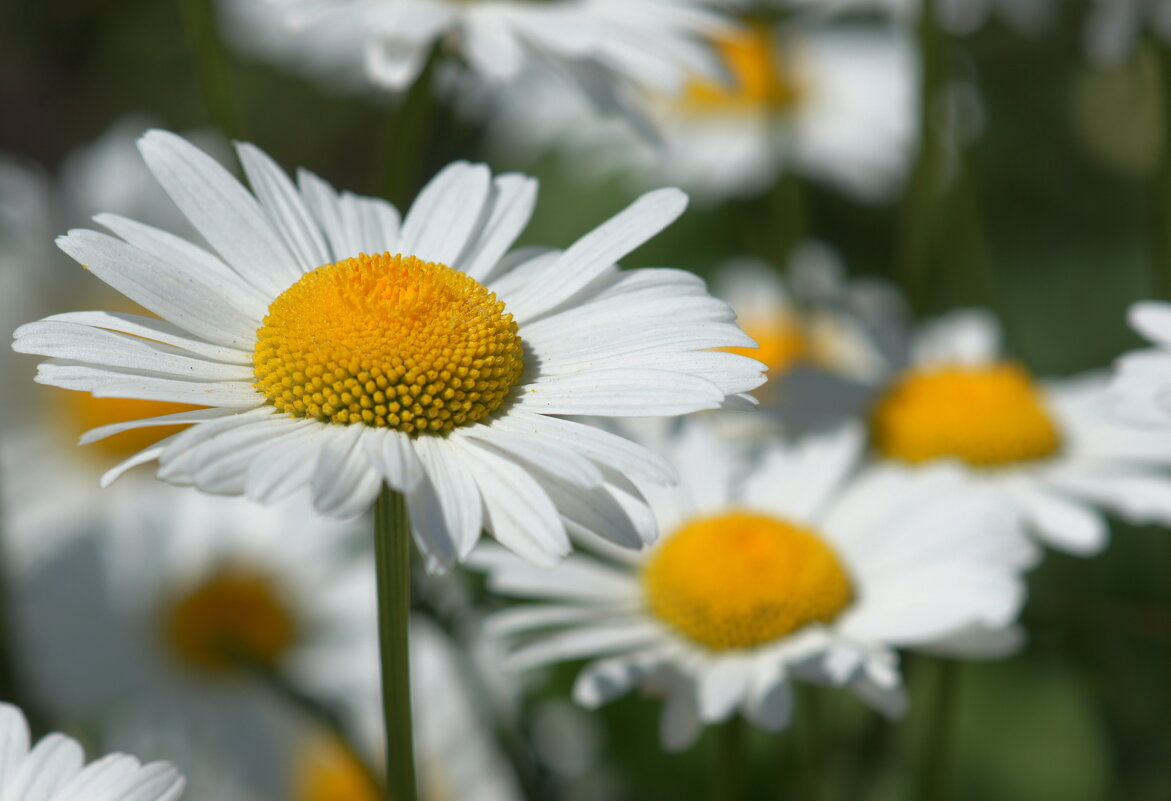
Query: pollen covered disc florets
x=988, y=416
x=741, y=580
x=388, y=341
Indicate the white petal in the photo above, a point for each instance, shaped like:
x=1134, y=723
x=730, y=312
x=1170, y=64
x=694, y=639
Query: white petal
x=601, y=446
x=599, y=640
x=620, y=393
x=394, y=455
x=286, y=211
x=447, y=213
x=162, y=288
x=191, y=260
x=106, y=383
x=577, y=578
x=455, y=489
x=1064, y=522
x=519, y=513
x=193, y=416
x=345, y=484
x=552, y=458
x=102, y=348
x=229, y=218
x=798, y=482
x=513, y=198
x=150, y=328
x=52, y=763
x=597, y=251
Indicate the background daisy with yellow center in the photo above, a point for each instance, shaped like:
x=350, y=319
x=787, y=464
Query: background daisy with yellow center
x=599, y=44
x=824, y=337
x=339, y=348
x=177, y=627
x=1055, y=450
x=834, y=104
x=794, y=566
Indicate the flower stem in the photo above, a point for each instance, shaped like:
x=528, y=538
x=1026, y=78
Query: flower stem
x=392, y=549
x=402, y=143
x=1160, y=215
x=940, y=732
x=917, y=217
x=731, y=759
x=199, y=20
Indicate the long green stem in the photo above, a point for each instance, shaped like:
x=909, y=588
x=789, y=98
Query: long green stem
x=917, y=217
x=941, y=727
x=199, y=20
x=401, y=146
x=813, y=732
x=392, y=551
x=731, y=761
x=1160, y=216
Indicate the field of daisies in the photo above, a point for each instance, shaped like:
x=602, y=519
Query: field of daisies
x=585, y=400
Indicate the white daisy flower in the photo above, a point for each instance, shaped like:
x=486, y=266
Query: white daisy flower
x=959, y=17
x=597, y=43
x=54, y=769
x=825, y=338
x=1053, y=450
x=1114, y=27
x=796, y=567
x=836, y=105
x=337, y=349
x=1142, y=383
x=177, y=616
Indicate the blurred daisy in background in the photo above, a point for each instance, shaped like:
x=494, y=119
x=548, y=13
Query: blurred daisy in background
x=958, y=17
x=1115, y=27
x=185, y=621
x=824, y=336
x=457, y=404
x=1142, y=383
x=54, y=769
x=835, y=104
x=598, y=45
x=456, y=751
x=48, y=486
x=1054, y=449
x=797, y=566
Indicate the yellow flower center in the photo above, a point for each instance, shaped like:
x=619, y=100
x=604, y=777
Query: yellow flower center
x=988, y=416
x=328, y=771
x=388, y=341
x=235, y=618
x=740, y=580
x=759, y=79
x=86, y=412
x=782, y=343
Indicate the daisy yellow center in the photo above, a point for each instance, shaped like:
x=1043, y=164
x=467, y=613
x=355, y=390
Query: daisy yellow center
x=741, y=580
x=758, y=79
x=328, y=771
x=781, y=343
x=236, y=617
x=86, y=412
x=987, y=416
x=388, y=341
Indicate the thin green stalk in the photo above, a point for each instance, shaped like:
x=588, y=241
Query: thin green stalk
x=791, y=216
x=917, y=216
x=199, y=19
x=731, y=761
x=813, y=741
x=936, y=762
x=392, y=550
x=401, y=146
x=1160, y=215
